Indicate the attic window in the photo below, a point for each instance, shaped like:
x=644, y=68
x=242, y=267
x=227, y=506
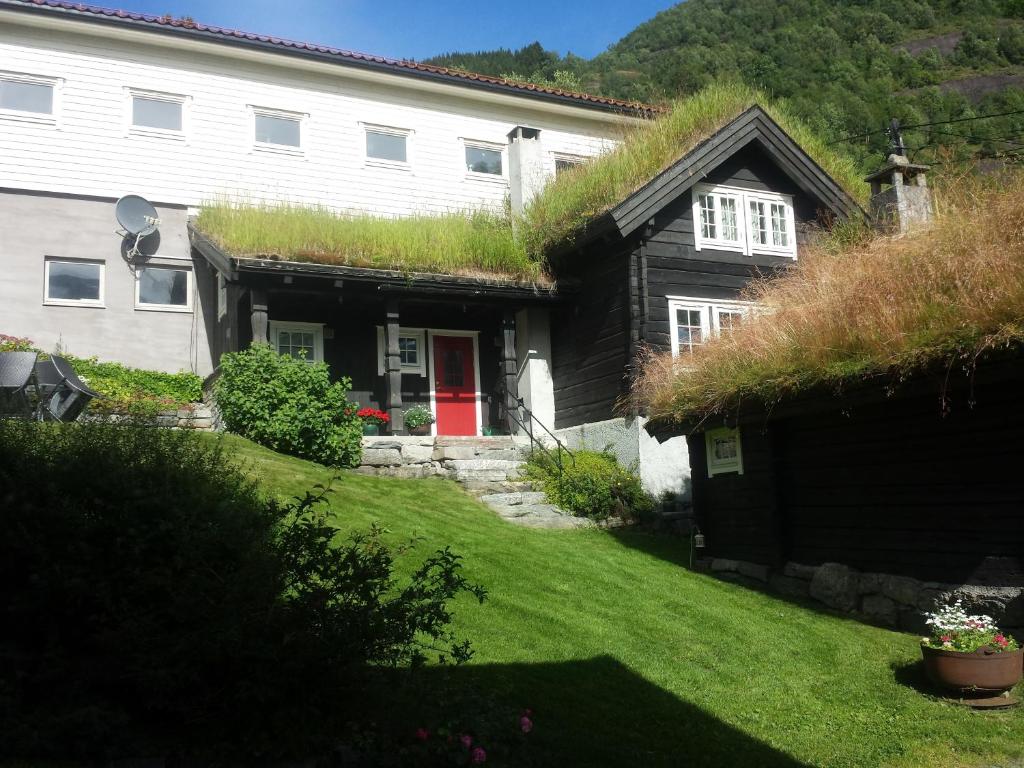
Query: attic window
x=724, y=452
x=746, y=221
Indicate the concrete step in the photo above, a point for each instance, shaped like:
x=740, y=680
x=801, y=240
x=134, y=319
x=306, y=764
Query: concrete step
x=514, y=499
x=486, y=487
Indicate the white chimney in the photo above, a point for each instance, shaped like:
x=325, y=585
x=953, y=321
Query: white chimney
x=900, y=198
x=525, y=166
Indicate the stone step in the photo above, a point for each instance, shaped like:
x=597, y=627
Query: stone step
x=468, y=465
x=540, y=516
x=487, y=487
x=463, y=452
x=514, y=499
x=491, y=475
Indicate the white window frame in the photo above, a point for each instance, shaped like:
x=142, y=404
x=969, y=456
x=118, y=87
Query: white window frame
x=723, y=466
x=564, y=157
x=710, y=314
x=378, y=162
x=274, y=326
x=100, y=302
x=420, y=334
x=160, y=133
x=494, y=178
x=283, y=149
x=189, y=289
x=743, y=198
x=37, y=118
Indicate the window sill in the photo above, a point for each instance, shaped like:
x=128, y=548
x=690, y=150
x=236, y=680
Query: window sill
x=276, y=149
x=762, y=251
x=393, y=165
x=156, y=133
x=30, y=118
x=715, y=245
x=162, y=308
x=71, y=303
x=490, y=178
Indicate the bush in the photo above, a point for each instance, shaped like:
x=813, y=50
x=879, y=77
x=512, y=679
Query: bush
x=153, y=601
x=289, y=405
x=592, y=484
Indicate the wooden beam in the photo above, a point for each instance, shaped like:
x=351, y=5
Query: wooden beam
x=510, y=366
x=260, y=316
x=393, y=369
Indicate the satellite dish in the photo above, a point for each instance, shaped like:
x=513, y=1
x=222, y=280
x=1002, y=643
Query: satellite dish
x=137, y=218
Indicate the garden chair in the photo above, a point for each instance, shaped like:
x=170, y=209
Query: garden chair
x=62, y=395
x=16, y=370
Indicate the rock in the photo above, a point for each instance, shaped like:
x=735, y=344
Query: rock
x=902, y=589
x=930, y=598
x=798, y=571
x=417, y=454
x=378, y=444
x=789, y=585
x=870, y=583
x=513, y=499
x=754, y=571
x=881, y=609
x=462, y=465
x=836, y=585
x=722, y=565
x=381, y=457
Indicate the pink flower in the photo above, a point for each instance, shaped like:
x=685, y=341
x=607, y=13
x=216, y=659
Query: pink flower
x=525, y=724
x=479, y=756
x=1001, y=641
x=946, y=639
x=467, y=740
x=422, y=734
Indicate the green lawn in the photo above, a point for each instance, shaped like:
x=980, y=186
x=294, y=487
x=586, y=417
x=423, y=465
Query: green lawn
x=628, y=659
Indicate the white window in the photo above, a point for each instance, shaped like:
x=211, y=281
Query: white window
x=277, y=130
x=73, y=282
x=387, y=146
x=693, y=321
x=303, y=341
x=167, y=289
x=483, y=159
x=156, y=114
x=30, y=98
x=724, y=451
x=412, y=350
x=746, y=221
x=565, y=163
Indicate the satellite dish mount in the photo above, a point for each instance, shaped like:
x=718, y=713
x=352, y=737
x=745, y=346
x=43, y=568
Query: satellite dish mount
x=138, y=218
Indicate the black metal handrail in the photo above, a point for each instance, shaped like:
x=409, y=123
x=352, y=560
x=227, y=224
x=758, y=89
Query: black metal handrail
x=527, y=427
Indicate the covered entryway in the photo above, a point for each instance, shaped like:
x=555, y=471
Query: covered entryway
x=454, y=384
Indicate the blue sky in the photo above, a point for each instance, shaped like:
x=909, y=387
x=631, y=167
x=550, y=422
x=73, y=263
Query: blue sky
x=423, y=28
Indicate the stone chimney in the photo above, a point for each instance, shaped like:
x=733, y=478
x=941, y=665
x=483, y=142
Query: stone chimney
x=900, y=198
x=525, y=166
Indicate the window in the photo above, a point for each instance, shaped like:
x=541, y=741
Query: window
x=565, y=163
x=724, y=452
x=303, y=341
x=694, y=321
x=483, y=159
x=163, y=288
x=387, y=146
x=73, y=283
x=411, y=350
x=743, y=220
x=28, y=97
x=156, y=113
x=277, y=130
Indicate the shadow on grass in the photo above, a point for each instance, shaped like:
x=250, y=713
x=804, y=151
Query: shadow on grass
x=593, y=712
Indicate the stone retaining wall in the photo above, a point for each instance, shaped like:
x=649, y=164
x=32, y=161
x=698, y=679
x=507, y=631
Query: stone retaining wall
x=468, y=460
x=997, y=589
x=197, y=416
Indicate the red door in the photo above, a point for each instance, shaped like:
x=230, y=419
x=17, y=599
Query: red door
x=454, y=385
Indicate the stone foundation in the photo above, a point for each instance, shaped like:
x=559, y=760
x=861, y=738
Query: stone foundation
x=996, y=589
x=197, y=416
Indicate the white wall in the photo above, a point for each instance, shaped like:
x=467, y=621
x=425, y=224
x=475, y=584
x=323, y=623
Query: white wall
x=533, y=354
x=90, y=150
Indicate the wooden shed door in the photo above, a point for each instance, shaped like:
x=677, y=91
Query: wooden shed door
x=454, y=385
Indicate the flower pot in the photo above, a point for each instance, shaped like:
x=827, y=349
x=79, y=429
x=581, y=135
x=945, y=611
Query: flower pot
x=985, y=670
x=371, y=429
x=420, y=431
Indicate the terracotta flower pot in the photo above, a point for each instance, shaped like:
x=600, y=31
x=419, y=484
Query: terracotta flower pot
x=985, y=670
x=421, y=430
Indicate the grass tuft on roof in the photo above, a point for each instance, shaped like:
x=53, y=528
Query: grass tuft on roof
x=875, y=305
x=576, y=197
x=475, y=244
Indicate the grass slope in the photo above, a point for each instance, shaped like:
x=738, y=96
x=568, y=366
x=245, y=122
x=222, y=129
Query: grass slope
x=629, y=659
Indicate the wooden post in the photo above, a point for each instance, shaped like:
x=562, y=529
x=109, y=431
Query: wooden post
x=510, y=367
x=259, y=316
x=393, y=369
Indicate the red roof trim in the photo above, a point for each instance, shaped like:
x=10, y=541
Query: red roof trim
x=168, y=23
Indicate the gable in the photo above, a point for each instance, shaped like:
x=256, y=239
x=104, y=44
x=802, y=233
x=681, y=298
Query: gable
x=783, y=164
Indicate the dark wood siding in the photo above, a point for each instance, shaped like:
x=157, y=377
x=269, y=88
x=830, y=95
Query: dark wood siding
x=590, y=341
x=891, y=486
x=674, y=267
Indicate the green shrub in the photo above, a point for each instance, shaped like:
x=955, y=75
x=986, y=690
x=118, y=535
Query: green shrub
x=289, y=405
x=591, y=484
x=154, y=602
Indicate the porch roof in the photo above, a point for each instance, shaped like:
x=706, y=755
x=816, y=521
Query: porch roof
x=394, y=281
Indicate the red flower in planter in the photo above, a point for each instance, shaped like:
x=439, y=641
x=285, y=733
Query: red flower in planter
x=422, y=734
x=1001, y=641
x=373, y=416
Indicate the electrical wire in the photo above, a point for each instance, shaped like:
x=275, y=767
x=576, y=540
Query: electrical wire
x=928, y=125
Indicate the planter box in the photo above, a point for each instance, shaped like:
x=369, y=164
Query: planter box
x=983, y=671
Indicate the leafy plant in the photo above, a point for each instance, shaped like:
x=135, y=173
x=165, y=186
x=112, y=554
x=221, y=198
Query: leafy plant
x=154, y=600
x=591, y=484
x=418, y=416
x=953, y=629
x=289, y=405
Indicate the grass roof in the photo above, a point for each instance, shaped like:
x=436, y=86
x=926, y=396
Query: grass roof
x=874, y=306
x=487, y=244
